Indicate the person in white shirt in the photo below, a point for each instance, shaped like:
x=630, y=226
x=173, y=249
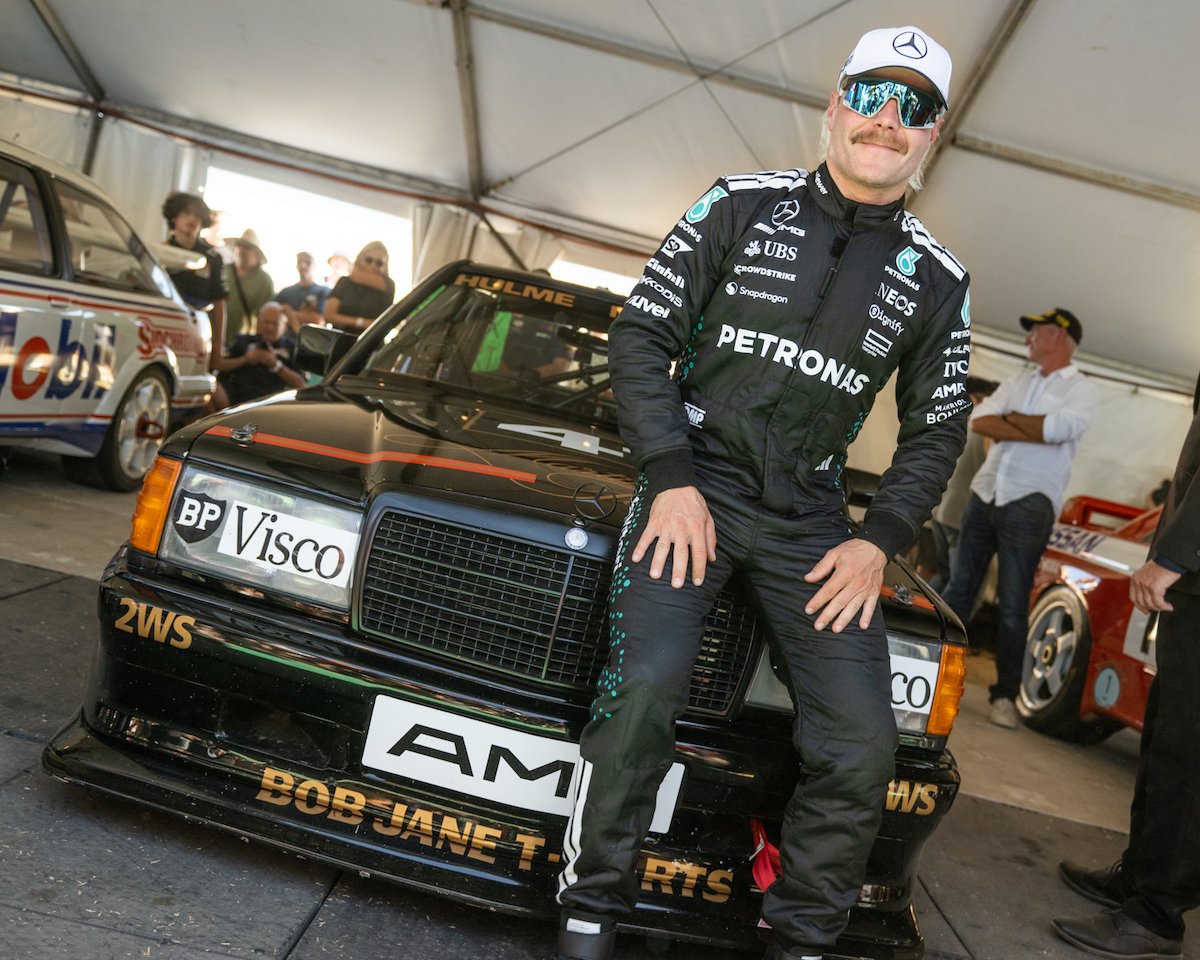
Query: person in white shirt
x=1034, y=421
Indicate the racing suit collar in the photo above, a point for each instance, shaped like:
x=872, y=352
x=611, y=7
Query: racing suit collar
x=864, y=216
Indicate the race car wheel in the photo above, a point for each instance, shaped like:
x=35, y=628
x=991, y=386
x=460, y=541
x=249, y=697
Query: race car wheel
x=138, y=429
x=1055, y=667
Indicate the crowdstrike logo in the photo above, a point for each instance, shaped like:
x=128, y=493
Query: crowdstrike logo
x=911, y=45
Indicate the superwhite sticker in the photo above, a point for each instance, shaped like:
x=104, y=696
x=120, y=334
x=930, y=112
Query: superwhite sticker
x=272, y=539
x=518, y=769
x=913, y=683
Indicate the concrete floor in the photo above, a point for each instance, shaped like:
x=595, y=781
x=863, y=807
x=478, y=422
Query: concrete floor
x=84, y=877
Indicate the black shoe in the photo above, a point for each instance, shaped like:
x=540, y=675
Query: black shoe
x=1105, y=887
x=1113, y=934
x=585, y=938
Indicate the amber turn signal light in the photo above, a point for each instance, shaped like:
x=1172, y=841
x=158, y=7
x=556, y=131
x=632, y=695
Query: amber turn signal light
x=951, y=675
x=153, y=502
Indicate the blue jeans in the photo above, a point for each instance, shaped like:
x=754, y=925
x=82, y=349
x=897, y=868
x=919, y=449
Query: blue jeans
x=1017, y=534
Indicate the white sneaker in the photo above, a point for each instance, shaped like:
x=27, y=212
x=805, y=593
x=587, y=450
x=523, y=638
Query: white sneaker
x=1004, y=713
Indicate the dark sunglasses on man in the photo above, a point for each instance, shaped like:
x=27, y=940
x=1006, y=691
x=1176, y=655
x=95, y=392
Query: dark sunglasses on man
x=375, y=261
x=917, y=108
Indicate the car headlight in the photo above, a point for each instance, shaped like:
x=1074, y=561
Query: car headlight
x=927, y=685
x=267, y=537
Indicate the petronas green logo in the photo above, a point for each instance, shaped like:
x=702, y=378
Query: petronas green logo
x=699, y=210
x=906, y=261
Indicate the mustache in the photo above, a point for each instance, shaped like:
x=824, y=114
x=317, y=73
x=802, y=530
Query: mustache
x=881, y=137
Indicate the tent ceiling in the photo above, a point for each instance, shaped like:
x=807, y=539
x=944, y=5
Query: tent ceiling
x=1069, y=178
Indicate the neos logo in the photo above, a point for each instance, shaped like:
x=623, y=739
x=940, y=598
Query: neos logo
x=293, y=544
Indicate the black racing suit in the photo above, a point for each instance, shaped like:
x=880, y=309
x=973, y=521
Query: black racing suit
x=786, y=308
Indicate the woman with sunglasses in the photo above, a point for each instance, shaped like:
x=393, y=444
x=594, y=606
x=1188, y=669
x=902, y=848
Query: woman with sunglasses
x=359, y=298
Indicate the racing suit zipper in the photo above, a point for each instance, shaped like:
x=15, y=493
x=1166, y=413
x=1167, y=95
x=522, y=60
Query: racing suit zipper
x=837, y=250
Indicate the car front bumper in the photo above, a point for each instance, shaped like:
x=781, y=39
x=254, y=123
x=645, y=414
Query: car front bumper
x=255, y=719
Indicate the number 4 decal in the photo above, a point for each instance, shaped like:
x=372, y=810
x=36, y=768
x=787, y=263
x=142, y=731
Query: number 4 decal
x=568, y=439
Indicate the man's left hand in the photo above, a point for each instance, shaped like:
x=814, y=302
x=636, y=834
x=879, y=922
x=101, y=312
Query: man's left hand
x=855, y=572
x=1148, y=588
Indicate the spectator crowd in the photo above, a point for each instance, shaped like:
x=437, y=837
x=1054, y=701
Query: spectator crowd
x=256, y=323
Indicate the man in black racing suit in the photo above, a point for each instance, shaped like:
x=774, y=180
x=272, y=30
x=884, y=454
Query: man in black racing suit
x=786, y=301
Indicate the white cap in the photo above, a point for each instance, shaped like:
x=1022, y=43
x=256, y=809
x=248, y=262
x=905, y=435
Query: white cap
x=908, y=47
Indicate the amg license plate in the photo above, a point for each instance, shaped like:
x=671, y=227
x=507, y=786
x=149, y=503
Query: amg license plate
x=486, y=760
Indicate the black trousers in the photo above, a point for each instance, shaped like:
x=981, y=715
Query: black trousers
x=1163, y=858
x=844, y=730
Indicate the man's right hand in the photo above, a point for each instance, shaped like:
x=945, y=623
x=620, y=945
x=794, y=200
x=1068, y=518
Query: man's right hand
x=680, y=522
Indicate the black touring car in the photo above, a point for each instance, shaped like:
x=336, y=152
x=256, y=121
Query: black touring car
x=363, y=621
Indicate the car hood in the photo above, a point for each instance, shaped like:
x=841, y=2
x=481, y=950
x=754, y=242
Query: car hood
x=355, y=447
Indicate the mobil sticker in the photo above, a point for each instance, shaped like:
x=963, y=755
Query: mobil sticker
x=55, y=360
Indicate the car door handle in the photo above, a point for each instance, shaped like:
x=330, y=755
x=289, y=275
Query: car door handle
x=60, y=302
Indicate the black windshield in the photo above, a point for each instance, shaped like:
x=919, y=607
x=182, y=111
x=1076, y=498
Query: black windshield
x=514, y=339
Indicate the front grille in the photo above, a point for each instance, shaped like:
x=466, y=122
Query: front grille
x=525, y=608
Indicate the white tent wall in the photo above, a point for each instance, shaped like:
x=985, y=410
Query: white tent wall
x=52, y=129
x=139, y=168
x=135, y=166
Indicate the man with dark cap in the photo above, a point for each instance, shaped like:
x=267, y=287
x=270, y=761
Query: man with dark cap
x=787, y=299
x=1157, y=879
x=1035, y=420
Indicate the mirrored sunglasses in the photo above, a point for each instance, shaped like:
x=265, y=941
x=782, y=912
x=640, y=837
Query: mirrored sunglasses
x=868, y=95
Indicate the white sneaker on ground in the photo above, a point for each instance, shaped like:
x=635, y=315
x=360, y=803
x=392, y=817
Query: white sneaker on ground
x=1004, y=713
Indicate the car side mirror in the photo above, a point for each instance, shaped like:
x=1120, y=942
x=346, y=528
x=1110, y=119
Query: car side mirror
x=319, y=348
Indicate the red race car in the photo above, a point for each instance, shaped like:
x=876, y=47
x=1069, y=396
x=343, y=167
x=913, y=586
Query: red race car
x=1089, y=657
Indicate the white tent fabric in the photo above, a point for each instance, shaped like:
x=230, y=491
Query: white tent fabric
x=1066, y=175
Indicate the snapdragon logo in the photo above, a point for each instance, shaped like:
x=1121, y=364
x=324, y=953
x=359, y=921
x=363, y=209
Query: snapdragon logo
x=737, y=290
x=776, y=349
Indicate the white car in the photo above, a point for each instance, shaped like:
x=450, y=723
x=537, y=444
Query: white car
x=98, y=352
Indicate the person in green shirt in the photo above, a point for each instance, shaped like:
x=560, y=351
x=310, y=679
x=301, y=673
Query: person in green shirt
x=250, y=286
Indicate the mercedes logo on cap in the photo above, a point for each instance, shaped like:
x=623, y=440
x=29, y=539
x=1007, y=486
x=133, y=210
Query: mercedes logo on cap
x=594, y=501
x=911, y=45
